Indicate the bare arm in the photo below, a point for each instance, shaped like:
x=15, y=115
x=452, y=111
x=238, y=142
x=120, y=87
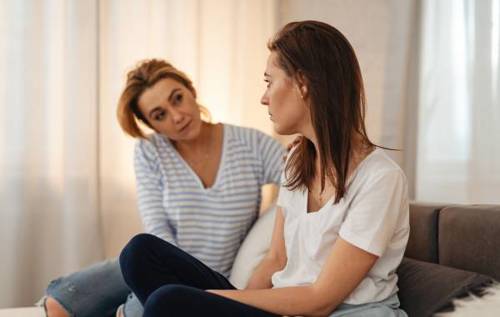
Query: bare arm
x=274, y=260
x=347, y=265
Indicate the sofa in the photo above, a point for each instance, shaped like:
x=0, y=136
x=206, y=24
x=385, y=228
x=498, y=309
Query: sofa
x=453, y=250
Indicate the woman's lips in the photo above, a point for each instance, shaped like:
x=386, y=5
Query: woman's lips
x=185, y=127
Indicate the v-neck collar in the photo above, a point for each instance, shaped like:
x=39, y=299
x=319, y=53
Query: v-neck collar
x=219, y=169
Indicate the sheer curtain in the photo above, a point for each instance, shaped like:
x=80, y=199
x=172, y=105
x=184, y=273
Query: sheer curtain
x=49, y=220
x=459, y=112
x=67, y=195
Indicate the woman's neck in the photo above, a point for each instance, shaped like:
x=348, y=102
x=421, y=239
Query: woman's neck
x=201, y=143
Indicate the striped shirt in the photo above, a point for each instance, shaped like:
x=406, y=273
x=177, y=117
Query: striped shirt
x=208, y=223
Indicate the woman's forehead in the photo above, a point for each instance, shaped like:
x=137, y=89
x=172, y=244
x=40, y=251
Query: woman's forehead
x=158, y=92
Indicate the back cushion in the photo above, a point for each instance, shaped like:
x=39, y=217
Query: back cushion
x=469, y=238
x=422, y=244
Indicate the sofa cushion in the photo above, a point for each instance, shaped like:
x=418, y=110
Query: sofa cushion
x=253, y=249
x=469, y=238
x=426, y=288
x=422, y=243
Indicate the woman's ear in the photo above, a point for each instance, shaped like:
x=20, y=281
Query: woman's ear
x=301, y=85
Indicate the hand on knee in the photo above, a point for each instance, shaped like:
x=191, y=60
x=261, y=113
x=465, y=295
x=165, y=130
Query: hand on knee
x=54, y=309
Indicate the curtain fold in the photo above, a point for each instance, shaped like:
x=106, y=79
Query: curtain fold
x=49, y=221
x=459, y=110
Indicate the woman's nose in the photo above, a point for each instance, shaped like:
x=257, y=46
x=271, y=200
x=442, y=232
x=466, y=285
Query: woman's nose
x=177, y=116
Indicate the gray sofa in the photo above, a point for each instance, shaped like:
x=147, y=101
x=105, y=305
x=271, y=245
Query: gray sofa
x=453, y=250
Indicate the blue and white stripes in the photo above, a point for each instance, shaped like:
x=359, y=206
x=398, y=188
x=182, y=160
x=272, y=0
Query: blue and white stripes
x=208, y=223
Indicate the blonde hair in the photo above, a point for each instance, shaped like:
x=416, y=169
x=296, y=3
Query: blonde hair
x=145, y=75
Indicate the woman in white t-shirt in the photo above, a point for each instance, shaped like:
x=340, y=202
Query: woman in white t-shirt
x=342, y=224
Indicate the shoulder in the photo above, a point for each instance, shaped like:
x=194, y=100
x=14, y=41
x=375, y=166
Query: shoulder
x=378, y=172
x=244, y=134
x=151, y=145
x=380, y=164
x=250, y=137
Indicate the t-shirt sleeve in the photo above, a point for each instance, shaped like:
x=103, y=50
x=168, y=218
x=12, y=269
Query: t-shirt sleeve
x=374, y=214
x=282, y=191
x=284, y=194
x=150, y=192
x=271, y=154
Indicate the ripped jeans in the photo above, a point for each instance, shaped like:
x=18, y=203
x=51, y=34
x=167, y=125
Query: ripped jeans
x=95, y=291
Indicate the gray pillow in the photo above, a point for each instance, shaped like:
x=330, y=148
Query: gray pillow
x=426, y=288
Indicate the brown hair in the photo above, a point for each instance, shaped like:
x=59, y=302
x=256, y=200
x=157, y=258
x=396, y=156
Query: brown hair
x=323, y=58
x=145, y=75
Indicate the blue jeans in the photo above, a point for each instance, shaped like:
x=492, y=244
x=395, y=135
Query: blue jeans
x=95, y=291
x=170, y=282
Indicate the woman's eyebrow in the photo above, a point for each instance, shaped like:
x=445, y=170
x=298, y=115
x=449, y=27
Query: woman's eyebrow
x=172, y=94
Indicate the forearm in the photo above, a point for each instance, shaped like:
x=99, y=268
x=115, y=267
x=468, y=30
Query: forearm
x=290, y=301
x=261, y=277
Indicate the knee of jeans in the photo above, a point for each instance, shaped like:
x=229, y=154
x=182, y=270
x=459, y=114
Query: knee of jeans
x=60, y=288
x=172, y=298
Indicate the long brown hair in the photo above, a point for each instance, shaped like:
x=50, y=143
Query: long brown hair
x=145, y=75
x=325, y=60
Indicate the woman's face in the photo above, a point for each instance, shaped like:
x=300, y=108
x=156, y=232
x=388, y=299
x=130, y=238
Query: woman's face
x=171, y=109
x=287, y=109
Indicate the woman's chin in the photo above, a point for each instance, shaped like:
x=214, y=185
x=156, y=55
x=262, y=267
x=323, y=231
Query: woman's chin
x=283, y=130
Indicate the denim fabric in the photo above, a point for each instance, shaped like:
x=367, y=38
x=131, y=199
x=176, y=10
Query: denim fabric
x=95, y=291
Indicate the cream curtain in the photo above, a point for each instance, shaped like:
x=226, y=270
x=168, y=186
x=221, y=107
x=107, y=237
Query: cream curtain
x=49, y=217
x=459, y=110
x=67, y=195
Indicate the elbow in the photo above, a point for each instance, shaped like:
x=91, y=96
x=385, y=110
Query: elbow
x=325, y=311
x=278, y=260
x=322, y=310
x=324, y=305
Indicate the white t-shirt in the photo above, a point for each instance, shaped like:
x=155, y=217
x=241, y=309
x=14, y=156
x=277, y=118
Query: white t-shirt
x=373, y=215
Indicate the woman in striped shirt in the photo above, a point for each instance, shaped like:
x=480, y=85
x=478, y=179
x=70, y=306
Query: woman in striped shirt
x=198, y=186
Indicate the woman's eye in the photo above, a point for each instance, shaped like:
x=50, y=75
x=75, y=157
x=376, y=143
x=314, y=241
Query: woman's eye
x=178, y=98
x=267, y=82
x=159, y=116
